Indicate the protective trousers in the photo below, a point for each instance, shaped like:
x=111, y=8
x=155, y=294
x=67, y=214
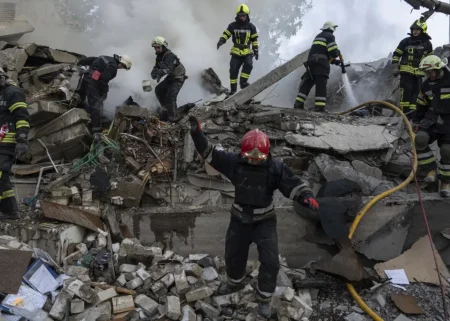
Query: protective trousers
x=89, y=89
x=167, y=92
x=8, y=203
x=235, y=65
x=409, y=90
x=425, y=156
x=239, y=237
x=321, y=89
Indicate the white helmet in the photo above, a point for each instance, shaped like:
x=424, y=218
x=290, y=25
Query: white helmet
x=126, y=61
x=329, y=25
x=159, y=41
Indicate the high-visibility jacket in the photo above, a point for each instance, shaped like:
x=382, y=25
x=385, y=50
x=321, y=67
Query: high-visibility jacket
x=323, y=49
x=244, y=36
x=410, y=52
x=13, y=114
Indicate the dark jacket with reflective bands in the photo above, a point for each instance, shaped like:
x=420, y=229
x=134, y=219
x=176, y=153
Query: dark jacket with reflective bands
x=106, y=65
x=410, y=52
x=14, y=114
x=170, y=64
x=434, y=101
x=323, y=50
x=243, y=35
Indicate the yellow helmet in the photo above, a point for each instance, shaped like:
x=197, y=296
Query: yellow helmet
x=159, y=41
x=431, y=62
x=419, y=24
x=243, y=8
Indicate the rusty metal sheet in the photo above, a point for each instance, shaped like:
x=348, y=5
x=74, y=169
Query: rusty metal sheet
x=13, y=265
x=71, y=215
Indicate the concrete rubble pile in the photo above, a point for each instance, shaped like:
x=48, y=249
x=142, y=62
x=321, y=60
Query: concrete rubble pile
x=129, y=281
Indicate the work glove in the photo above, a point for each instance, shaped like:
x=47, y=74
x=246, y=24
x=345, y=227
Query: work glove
x=22, y=146
x=194, y=124
x=336, y=62
x=307, y=199
x=256, y=54
x=220, y=43
x=395, y=70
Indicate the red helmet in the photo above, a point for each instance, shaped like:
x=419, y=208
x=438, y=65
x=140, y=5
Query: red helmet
x=255, y=147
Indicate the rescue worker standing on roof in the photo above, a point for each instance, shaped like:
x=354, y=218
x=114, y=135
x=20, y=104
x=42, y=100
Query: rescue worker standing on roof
x=245, y=46
x=167, y=63
x=255, y=175
x=432, y=121
x=324, y=51
x=14, y=122
x=405, y=62
x=94, y=84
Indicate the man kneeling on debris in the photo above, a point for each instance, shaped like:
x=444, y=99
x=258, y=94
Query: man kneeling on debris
x=432, y=121
x=14, y=122
x=167, y=63
x=94, y=84
x=255, y=175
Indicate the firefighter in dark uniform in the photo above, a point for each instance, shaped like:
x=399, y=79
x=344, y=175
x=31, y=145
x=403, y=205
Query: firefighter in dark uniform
x=245, y=46
x=94, y=84
x=432, y=121
x=255, y=175
x=167, y=63
x=323, y=51
x=408, y=54
x=14, y=122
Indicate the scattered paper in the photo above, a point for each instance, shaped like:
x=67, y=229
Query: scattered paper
x=397, y=276
x=43, y=281
x=60, y=279
x=10, y=317
x=26, y=299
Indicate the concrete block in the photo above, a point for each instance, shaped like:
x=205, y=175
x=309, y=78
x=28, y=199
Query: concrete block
x=287, y=309
x=59, y=307
x=72, y=258
x=127, y=268
x=84, y=278
x=173, y=308
x=199, y=294
x=76, y=197
x=265, y=117
x=181, y=282
x=13, y=30
x=130, y=276
x=287, y=294
x=44, y=111
x=207, y=309
x=197, y=257
x=47, y=69
x=192, y=280
x=130, y=111
x=76, y=271
x=83, y=291
x=29, y=48
x=13, y=59
x=62, y=56
x=188, y=314
x=168, y=280
x=123, y=304
x=144, y=275
x=101, y=312
x=105, y=295
x=69, y=118
x=193, y=269
x=159, y=289
x=226, y=300
x=300, y=303
x=121, y=280
x=188, y=148
x=146, y=304
x=133, y=284
x=76, y=306
x=209, y=274
x=131, y=192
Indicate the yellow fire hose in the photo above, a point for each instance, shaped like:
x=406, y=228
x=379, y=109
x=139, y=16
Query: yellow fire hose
x=379, y=197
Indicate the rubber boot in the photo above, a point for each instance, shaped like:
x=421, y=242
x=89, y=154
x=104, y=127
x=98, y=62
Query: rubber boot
x=264, y=310
x=445, y=190
x=319, y=109
x=431, y=177
x=345, y=264
x=227, y=288
x=244, y=84
x=299, y=105
x=9, y=217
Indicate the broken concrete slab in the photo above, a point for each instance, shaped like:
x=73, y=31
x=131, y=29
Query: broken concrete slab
x=383, y=231
x=132, y=111
x=344, y=138
x=418, y=263
x=70, y=118
x=44, y=111
x=62, y=56
x=146, y=304
x=123, y=304
x=208, y=198
x=13, y=30
x=102, y=312
x=71, y=215
x=211, y=183
x=47, y=69
x=59, y=307
x=29, y=48
x=265, y=117
x=13, y=58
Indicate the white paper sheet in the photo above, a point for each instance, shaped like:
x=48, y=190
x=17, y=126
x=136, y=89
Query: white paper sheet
x=30, y=299
x=43, y=281
x=397, y=276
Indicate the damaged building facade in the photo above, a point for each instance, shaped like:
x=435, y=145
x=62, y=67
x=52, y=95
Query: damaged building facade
x=119, y=219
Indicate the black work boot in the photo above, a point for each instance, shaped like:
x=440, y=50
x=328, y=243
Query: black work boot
x=264, y=309
x=299, y=105
x=6, y=217
x=9, y=209
x=227, y=288
x=319, y=109
x=445, y=190
x=244, y=85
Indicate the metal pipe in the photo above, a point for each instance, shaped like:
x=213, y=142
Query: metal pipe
x=48, y=154
x=41, y=171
